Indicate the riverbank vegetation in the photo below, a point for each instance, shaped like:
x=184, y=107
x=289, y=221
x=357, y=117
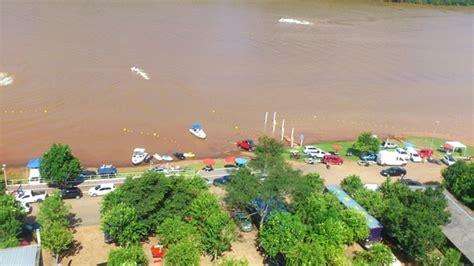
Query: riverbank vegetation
x=459, y=180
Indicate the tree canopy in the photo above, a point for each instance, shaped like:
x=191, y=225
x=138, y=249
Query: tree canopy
x=185, y=252
x=121, y=224
x=366, y=142
x=11, y=220
x=378, y=254
x=58, y=164
x=459, y=180
x=128, y=256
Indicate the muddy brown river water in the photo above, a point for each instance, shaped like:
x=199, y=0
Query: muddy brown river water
x=359, y=66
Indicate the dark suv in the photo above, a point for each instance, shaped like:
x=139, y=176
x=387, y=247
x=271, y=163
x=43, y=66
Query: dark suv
x=71, y=193
x=394, y=171
x=410, y=182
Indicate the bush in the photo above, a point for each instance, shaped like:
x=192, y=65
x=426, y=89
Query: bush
x=183, y=253
x=130, y=256
x=459, y=180
x=366, y=142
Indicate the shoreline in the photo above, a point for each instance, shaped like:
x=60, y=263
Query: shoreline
x=20, y=172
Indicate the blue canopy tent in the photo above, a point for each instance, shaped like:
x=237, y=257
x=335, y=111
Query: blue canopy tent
x=196, y=126
x=408, y=144
x=33, y=163
x=240, y=161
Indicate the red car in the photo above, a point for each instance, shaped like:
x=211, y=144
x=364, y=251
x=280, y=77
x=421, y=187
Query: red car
x=425, y=153
x=246, y=144
x=332, y=159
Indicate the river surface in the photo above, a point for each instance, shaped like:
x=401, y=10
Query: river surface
x=388, y=68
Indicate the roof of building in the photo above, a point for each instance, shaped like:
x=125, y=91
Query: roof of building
x=21, y=256
x=34, y=163
x=460, y=231
x=350, y=203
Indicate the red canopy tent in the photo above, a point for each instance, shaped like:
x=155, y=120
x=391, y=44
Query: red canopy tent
x=209, y=161
x=337, y=147
x=448, y=147
x=230, y=159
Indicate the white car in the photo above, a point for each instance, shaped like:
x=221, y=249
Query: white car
x=30, y=196
x=388, y=145
x=403, y=154
x=372, y=187
x=448, y=159
x=317, y=153
x=101, y=189
x=26, y=206
x=308, y=149
x=414, y=155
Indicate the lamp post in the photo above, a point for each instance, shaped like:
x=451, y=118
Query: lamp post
x=4, y=169
x=432, y=136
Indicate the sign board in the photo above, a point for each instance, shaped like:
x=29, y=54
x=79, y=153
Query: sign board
x=301, y=137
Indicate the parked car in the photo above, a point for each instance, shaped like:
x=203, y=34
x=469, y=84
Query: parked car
x=332, y=159
x=394, y=171
x=448, y=160
x=246, y=144
x=425, y=153
x=71, y=193
x=309, y=148
x=101, y=189
x=219, y=181
x=86, y=173
x=414, y=155
x=107, y=170
x=227, y=178
x=368, y=156
x=108, y=239
x=242, y=221
x=76, y=181
x=403, y=154
x=318, y=153
x=30, y=196
x=410, y=182
x=388, y=145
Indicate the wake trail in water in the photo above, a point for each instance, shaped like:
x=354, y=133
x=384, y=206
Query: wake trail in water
x=294, y=21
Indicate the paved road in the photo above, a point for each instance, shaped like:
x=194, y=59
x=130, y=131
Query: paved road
x=219, y=172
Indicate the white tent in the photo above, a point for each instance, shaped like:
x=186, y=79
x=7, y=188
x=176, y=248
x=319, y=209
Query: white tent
x=457, y=146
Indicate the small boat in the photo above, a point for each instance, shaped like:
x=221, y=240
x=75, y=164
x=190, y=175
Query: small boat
x=139, y=155
x=5, y=79
x=180, y=156
x=287, y=138
x=197, y=131
x=166, y=157
x=189, y=155
x=157, y=157
x=140, y=72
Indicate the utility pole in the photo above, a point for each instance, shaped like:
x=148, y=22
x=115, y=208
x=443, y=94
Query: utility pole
x=274, y=122
x=282, y=129
x=4, y=169
x=432, y=136
x=265, y=124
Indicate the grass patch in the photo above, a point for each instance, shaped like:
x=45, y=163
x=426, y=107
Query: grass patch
x=425, y=142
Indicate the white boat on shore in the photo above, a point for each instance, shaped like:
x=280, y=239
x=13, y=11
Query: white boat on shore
x=166, y=157
x=157, y=157
x=197, y=131
x=139, y=156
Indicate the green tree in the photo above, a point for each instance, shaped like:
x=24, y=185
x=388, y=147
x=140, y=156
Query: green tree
x=281, y=232
x=53, y=209
x=451, y=257
x=129, y=256
x=174, y=230
x=58, y=164
x=366, y=142
x=11, y=217
x=376, y=255
x=318, y=208
x=357, y=223
x=334, y=232
x=185, y=252
x=214, y=225
x=122, y=224
x=2, y=184
x=56, y=238
x=269, y=152
x=315, y=253
x=56, y=235
x=305, y=185
x=459, y=180
x=242, y=189
x=352, y=184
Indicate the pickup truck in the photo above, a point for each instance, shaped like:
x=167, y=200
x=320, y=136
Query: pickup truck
x=246, y=144
x=30, y=196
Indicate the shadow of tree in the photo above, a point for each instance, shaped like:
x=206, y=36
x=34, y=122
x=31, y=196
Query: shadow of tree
x=75, y=249
x=74, y=220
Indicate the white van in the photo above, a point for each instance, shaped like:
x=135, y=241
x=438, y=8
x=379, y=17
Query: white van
x=390, y=158
x=414, y=155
